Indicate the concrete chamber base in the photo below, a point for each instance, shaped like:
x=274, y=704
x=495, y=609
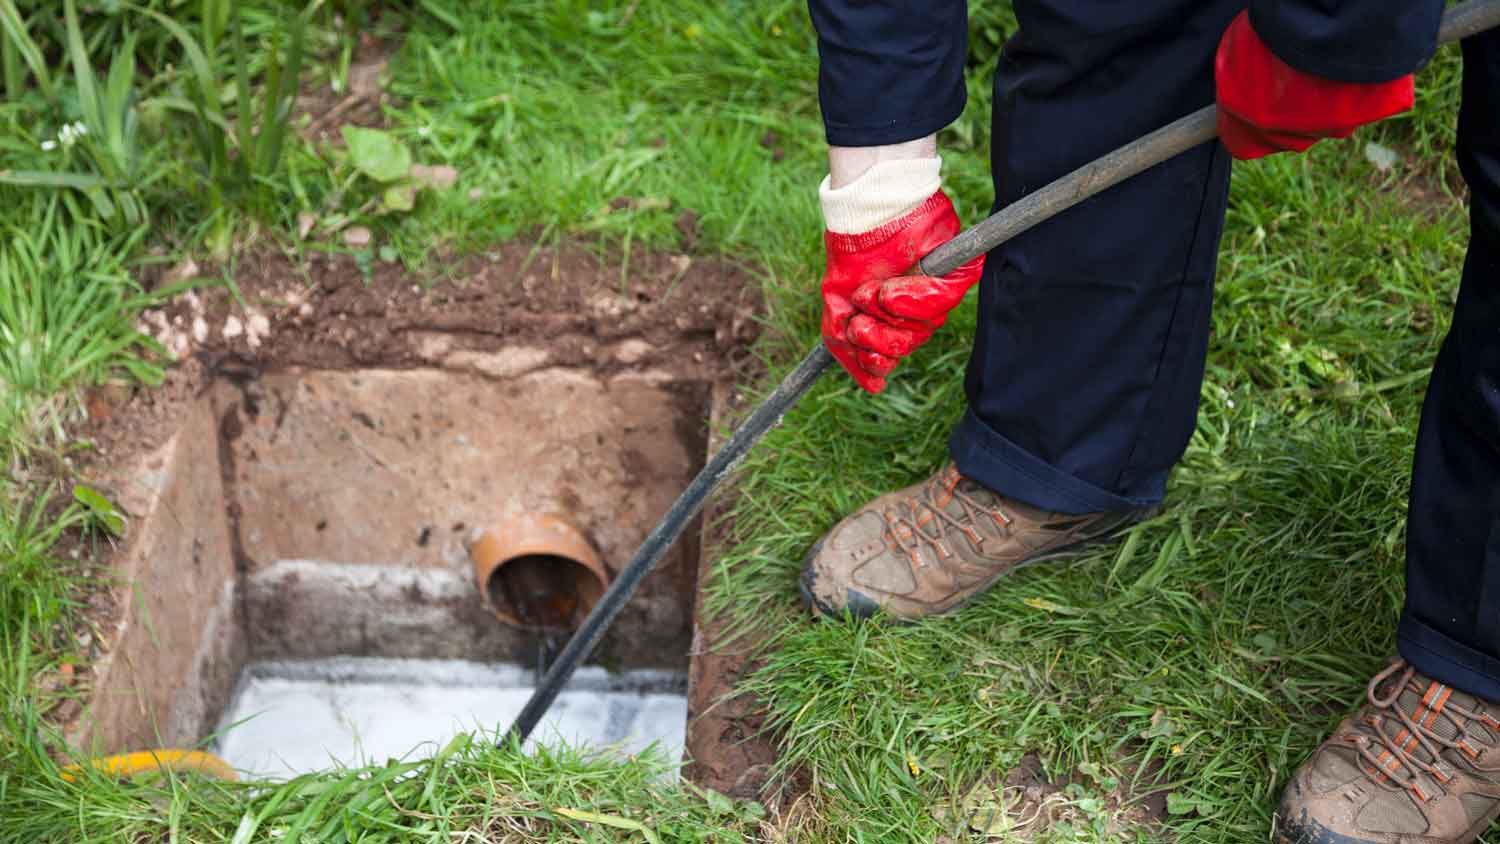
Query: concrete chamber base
x=289, y=718
x=303, y=516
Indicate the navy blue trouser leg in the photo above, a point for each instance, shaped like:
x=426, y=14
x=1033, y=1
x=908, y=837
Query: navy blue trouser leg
x=1083, y=383
x=1450, y=627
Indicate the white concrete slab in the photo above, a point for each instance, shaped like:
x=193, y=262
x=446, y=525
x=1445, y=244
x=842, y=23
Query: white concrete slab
x=289, y=718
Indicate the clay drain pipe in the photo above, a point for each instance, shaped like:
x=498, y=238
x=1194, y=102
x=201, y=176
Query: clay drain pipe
x=1173, y=139
x=537, y=572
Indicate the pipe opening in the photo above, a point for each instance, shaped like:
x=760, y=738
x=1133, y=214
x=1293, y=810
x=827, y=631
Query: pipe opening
x=538, y=573
x=543, y=591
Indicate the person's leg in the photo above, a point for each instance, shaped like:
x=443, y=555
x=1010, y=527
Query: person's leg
x=1450, y=627
x=1083, y=384
x=1419, y=761
x=1084, y=380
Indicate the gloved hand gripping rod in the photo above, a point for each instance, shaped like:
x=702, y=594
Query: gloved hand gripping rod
x=1176, y=137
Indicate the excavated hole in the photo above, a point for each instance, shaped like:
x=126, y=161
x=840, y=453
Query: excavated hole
x=312, y=572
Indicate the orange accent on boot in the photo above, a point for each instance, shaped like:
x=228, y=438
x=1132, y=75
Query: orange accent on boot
x=1468, y=748
x=1406, y=740
x=1437, y=707
x=1442, y=772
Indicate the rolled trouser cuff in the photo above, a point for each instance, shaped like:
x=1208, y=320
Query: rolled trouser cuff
x=1448, y=660
x=983, y=454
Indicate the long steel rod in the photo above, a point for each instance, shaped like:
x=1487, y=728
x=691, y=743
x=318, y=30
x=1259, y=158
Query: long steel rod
x=1173, y=139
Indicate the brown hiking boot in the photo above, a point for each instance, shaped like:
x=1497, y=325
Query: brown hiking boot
x=1418, y=764
x=930, y=548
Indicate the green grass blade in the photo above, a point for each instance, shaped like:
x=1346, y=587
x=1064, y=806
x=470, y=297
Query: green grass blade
x=442, y=13
x=51, y=179
x=272, y=86
x=214, y=15
x=10, y=65
x=83, y=70
x=281, y=96
x=245, y=123
x=116, y=102
x=202, y=92
x=202, y=70
x=20, y=38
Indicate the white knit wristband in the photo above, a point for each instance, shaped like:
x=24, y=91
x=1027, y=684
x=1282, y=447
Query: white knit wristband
x=885, y=192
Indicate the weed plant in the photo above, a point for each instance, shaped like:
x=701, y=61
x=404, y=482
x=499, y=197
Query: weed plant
x=67, y=319
x=228, y=82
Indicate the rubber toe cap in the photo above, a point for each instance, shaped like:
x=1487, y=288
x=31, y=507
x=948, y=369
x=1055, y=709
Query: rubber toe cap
x=855, y=603
x=1298, y=826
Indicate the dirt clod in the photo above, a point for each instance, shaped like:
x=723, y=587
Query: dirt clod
x=687, y=225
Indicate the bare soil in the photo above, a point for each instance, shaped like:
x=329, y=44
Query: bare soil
x=691, y=317
x=728, y=745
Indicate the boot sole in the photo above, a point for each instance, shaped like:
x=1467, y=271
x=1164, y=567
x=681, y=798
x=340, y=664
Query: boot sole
x=860, y=605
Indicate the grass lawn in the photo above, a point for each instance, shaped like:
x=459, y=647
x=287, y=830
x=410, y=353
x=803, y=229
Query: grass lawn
x=1203, y=658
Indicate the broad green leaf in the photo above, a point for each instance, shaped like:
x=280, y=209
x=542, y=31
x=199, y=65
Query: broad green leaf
x=100, y=508
x=1179, y=804
x=377, y=154
x=401, y=196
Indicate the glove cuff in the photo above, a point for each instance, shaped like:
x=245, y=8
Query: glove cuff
x=934, y=206
x=883, y=194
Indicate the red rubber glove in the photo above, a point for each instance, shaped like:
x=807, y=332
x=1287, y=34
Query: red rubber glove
x=1267, y=106
x=873, y=315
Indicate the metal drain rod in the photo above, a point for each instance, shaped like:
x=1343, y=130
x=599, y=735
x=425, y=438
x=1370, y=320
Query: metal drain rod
x=1171, y=140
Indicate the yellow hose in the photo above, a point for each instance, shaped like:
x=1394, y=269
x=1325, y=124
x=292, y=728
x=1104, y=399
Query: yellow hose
x=179, y=761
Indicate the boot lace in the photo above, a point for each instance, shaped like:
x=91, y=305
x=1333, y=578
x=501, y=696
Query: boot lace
x=908, y=522
x=1391, y=755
